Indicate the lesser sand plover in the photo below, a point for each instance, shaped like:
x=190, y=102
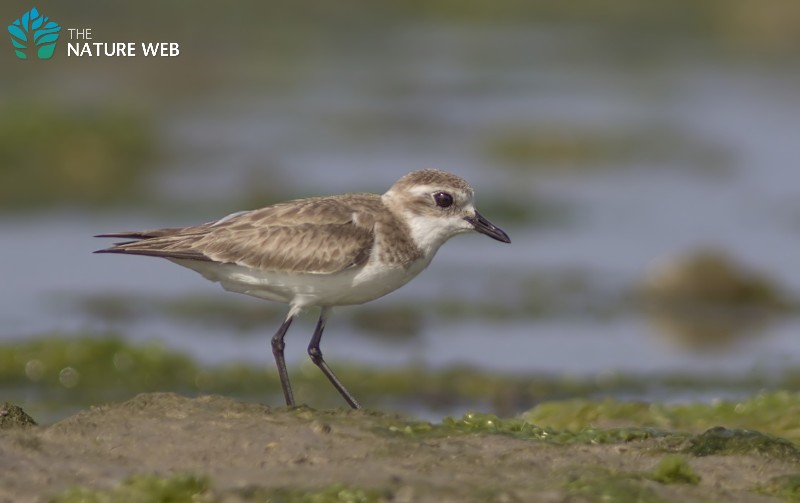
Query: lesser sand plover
x=323, y=251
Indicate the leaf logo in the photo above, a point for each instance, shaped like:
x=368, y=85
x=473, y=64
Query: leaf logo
x=34, y=28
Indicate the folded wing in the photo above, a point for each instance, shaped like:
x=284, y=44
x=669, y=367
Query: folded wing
x=320, y=235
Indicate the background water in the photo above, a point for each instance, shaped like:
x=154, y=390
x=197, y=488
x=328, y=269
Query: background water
x=618, y=148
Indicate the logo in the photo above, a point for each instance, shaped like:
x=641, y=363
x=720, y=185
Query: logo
x=34, y=30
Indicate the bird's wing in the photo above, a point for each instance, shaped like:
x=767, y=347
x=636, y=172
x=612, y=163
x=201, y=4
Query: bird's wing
x=320, y=235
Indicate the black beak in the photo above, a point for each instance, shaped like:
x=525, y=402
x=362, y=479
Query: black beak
x=486, y=227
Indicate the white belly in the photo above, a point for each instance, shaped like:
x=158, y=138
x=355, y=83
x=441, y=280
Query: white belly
x=353, y=286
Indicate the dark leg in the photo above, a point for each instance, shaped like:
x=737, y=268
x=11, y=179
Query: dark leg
x=316, y=356
x=277, y=351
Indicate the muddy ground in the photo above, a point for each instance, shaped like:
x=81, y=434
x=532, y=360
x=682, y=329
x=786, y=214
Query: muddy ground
x=162, y=446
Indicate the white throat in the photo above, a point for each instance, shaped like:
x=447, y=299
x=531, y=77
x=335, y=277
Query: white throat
x=429, y=233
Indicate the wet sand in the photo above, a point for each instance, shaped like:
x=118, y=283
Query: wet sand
x=250, y=452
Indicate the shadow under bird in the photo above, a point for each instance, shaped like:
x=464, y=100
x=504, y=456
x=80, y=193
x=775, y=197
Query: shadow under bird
x=322, y=251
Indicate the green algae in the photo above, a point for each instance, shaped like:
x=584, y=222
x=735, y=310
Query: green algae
x=715, y=441
x=398, y=322
x=723, y=441
x=711, y=277
x=674, y=469
x=473, y=422
x=786, y=487
x=55, y=375
x=573, y=148
x=776, y=413
x=193, y=489
x=603, y=485
x=53, y=154
x=83, y=364
x=336, y=493
x=143, y=489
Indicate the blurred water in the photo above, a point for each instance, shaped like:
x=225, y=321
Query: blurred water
x=346, y=130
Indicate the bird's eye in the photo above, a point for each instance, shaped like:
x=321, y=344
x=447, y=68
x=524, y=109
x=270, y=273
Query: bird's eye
x=443, y=199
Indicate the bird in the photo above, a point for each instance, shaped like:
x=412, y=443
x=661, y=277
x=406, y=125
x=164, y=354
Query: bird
x=322, y=252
